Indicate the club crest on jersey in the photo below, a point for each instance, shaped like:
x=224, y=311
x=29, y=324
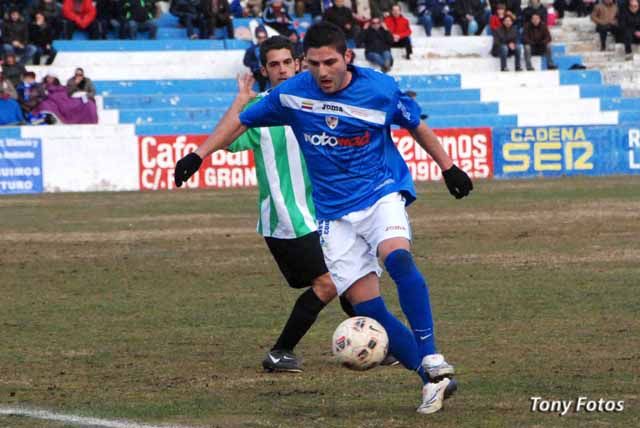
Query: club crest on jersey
x=332, y=121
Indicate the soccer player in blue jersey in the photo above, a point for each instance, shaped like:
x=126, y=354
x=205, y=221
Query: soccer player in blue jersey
x=341, y=116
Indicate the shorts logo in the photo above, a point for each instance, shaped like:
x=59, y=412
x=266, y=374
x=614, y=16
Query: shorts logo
x=307, y=105
x=395, y=228
x=332, y=121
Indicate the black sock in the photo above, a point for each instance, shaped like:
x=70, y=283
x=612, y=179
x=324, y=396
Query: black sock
x=347, y=307
x=303, y=315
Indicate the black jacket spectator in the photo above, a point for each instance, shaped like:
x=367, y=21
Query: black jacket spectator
x=534, y=7
x=41, y=34
x=342, y=16
x=15, y=31
x=629, y=23
x=373, y=40
x=52, y=12
x=138, y=10
x=215, y=14
x=473, y=8
x=110, y=17
x=503, y=36
x=11, y=70
x=187, y=12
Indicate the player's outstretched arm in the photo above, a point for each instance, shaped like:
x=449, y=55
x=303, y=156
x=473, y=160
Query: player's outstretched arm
x=226, y=131
x=457, y=181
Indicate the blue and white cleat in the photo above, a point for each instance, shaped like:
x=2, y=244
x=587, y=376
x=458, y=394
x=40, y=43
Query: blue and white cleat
x=433, y=395
x=436, y=367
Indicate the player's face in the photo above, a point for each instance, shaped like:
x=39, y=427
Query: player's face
x=328, y=68
x=280, y=66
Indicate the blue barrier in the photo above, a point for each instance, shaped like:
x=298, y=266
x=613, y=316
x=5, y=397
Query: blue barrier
x=460, y=108
x=10, y=132
x=435, y=81
x=629, y=117
x=167, y=101
x=168, y=86
x=620, y=104
x=566, y=150
x=445, y=95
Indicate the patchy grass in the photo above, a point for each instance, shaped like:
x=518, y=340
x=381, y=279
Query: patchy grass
x=158, y=307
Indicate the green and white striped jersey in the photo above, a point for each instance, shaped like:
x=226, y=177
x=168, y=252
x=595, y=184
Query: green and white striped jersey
x=285, y=204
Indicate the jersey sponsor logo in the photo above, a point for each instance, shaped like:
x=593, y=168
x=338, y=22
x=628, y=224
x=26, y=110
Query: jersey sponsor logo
x=332, y=121
x=332, y=107
x=329, y=140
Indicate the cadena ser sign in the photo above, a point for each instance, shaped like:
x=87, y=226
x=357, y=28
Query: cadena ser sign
x=566, y=150
x=469, y=148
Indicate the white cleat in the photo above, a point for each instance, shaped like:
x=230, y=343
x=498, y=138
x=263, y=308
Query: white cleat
x=436, y=367
x=433, y=396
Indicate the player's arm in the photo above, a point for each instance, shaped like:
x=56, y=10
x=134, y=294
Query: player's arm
x=457, y=181
x=228, y=129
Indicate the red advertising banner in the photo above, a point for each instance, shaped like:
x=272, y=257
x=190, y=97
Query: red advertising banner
x=470, y=149
x=159, y=154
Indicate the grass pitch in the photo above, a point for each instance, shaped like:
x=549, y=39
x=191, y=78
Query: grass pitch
x=158, y=308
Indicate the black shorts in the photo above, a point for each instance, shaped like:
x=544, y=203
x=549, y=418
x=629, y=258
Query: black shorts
x=300, y=259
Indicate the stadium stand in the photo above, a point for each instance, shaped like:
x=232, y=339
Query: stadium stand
x=186, y=89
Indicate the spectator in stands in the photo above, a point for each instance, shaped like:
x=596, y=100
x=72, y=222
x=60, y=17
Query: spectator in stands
x=110, y=17
x=605, y=16
x=276, y=16
x=215, y=14
x=80, y=86
x=10, y=112
x=537, y=41
x=377, y=42
x=314, y=8
x=12, y=70
x=513, y=6
x=561, y=6
x=6, y=6
x=470, y=16
x=296, y=44
x=41, y=35
x=382, y=7
x=400, y=30
x=15, y=37
x=629, y=22
x=253, y=8
x=30, y=93
x=585, y=7
x=52, y=12
x=7, y=89
x=343, y=17
x=534, y=7
x=66, y=109
x=435, y=13
x=139, y=15
x=505, y=43
x=495, y=21
x=79, y=14
x=252, y=58
x=187, y=13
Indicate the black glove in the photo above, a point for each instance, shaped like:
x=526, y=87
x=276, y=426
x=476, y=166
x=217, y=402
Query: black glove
x=186, y=167
x=458, y=182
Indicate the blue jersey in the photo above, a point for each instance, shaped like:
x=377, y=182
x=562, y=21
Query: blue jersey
x=345, y=137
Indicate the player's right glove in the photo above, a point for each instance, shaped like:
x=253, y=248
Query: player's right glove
x=186, y=167
x=458, y=182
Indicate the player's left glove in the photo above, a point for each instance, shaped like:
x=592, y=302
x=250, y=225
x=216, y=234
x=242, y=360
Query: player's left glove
x=458, y=182
x=186, y=167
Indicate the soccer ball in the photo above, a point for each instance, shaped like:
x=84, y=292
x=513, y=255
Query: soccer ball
x=360, y=343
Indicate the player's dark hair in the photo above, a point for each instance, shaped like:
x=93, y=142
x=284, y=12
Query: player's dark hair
x=274, y=43
x=325, y=34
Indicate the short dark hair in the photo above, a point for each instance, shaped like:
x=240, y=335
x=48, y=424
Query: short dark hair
x=325, y=34
x=274, y=43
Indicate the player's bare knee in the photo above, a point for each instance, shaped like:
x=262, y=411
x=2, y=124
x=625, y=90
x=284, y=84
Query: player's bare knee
x=324, y=288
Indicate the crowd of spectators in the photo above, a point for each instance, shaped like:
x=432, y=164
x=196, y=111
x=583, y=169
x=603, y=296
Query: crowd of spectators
x=23, y=100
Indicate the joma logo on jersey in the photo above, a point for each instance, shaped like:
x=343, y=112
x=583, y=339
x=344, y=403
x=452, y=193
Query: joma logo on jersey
x=332, y=107
x=329, y=140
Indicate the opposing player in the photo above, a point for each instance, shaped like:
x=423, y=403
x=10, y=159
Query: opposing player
x=341, y=116
x=286, y=212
